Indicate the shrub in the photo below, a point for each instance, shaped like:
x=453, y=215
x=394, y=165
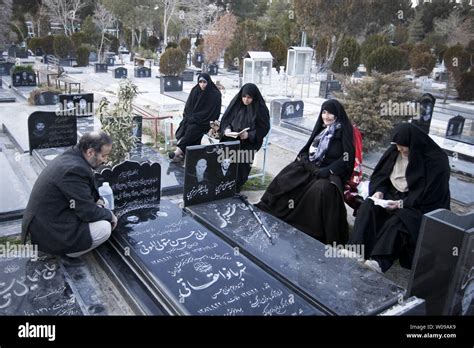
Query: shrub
x=172, y=62
x=465, y=86
x=78, y=39
x=35, y=43
x=113, y=43
x=117, y=121
x=364, y=103
x=385, y=59
x=47, y=44
x=422, y=63
x=63, y=46
x=347, y=57
x=83, y=56
x=371, y=44
x=171, y=45
x=185, y=45
x=153, y=42
x=278, y=49
x=457, y=60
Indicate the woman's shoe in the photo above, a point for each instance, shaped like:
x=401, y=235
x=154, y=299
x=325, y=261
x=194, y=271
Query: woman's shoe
x=373, y=265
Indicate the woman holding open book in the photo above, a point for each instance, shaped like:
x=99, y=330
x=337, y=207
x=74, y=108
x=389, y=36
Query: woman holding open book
x=308, y=193
x=411, y=179
x=246, y=119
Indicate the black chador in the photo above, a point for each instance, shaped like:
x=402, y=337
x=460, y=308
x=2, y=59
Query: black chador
x=419, y=183
x=202, y=107
x=238, y=117
x=308, y=193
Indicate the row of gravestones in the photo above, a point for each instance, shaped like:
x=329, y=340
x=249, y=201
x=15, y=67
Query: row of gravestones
x=119, y=73
x=203, y=274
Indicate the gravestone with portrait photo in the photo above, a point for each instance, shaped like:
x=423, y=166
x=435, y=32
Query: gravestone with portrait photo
x=100, y=68
x=47, y=98
x=120, y=73
x=110, y=61
x=46, y=129
x=427, y=103
x=210, y=172
x=142, y=72
x=24, y=79
x=79, y=105
x=5, y=68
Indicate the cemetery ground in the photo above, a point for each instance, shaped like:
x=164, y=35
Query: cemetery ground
x=89, y=279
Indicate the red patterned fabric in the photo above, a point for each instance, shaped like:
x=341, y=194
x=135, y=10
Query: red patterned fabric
x=351, y=193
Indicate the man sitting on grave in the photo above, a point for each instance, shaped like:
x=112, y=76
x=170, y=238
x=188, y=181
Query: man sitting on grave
x=63, y=215
x=411, y=179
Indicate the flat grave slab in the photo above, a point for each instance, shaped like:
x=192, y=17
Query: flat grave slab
x=12, y=190
x=340, y=285
x=38, y=287
x=196, y=272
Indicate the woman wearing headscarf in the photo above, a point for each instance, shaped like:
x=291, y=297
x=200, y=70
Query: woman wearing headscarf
x=412, y=178
x=202, y=107
x=246, y=111
x=308, y=193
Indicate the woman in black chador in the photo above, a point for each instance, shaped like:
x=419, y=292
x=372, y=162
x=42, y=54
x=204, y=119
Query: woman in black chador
x=202, y=107
x=308, y=193
x=413, y=177
x=246, y=111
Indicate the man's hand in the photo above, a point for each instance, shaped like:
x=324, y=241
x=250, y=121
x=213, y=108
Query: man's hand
x=378, y=195
x=101, y=203
x=244, y=135
x=114, y=221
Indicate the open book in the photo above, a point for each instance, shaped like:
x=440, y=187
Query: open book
x=235, y=134
x=382, y=202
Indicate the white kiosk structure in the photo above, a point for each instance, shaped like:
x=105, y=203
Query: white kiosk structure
x=258, y=68
x=298, y=66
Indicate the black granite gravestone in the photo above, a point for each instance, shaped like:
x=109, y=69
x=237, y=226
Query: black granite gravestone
x=24, y=79
x=292, y=109
x=39, y=52
x=12, y=51
x=142, y=72
x=137, y=127
x=120, y=73
x=21, y=53
x=210, y=172
x=443, y=267
x=197, y=273
x=47, y=98
x=46, y=129
x=327, y=88
x=5, y=68
x=134, y=185
x=100, y=68
x=172, y=174
x=427, y=103
x=213, y=69
x=340, y=285
x=35, y=286
x=110, y=61
x=78, y=105
x=455, y=126
x=188, y=75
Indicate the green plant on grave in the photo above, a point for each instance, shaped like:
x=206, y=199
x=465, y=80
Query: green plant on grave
x=117, y=121
x=172, y=62
x=23, y=68
x=83, y=56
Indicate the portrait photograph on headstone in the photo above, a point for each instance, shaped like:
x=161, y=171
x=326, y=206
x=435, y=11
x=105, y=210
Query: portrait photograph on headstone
x=79, y=105
x=210, y=172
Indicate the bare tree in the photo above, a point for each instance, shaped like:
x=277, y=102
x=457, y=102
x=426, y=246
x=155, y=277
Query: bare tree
x=455, y=28
x=200, y=14
x=103, y=19
x=219, y=37
x=64, y=12
x=5, y=18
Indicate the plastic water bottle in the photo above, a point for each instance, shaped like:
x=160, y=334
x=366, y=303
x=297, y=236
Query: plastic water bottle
x=107, y=195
